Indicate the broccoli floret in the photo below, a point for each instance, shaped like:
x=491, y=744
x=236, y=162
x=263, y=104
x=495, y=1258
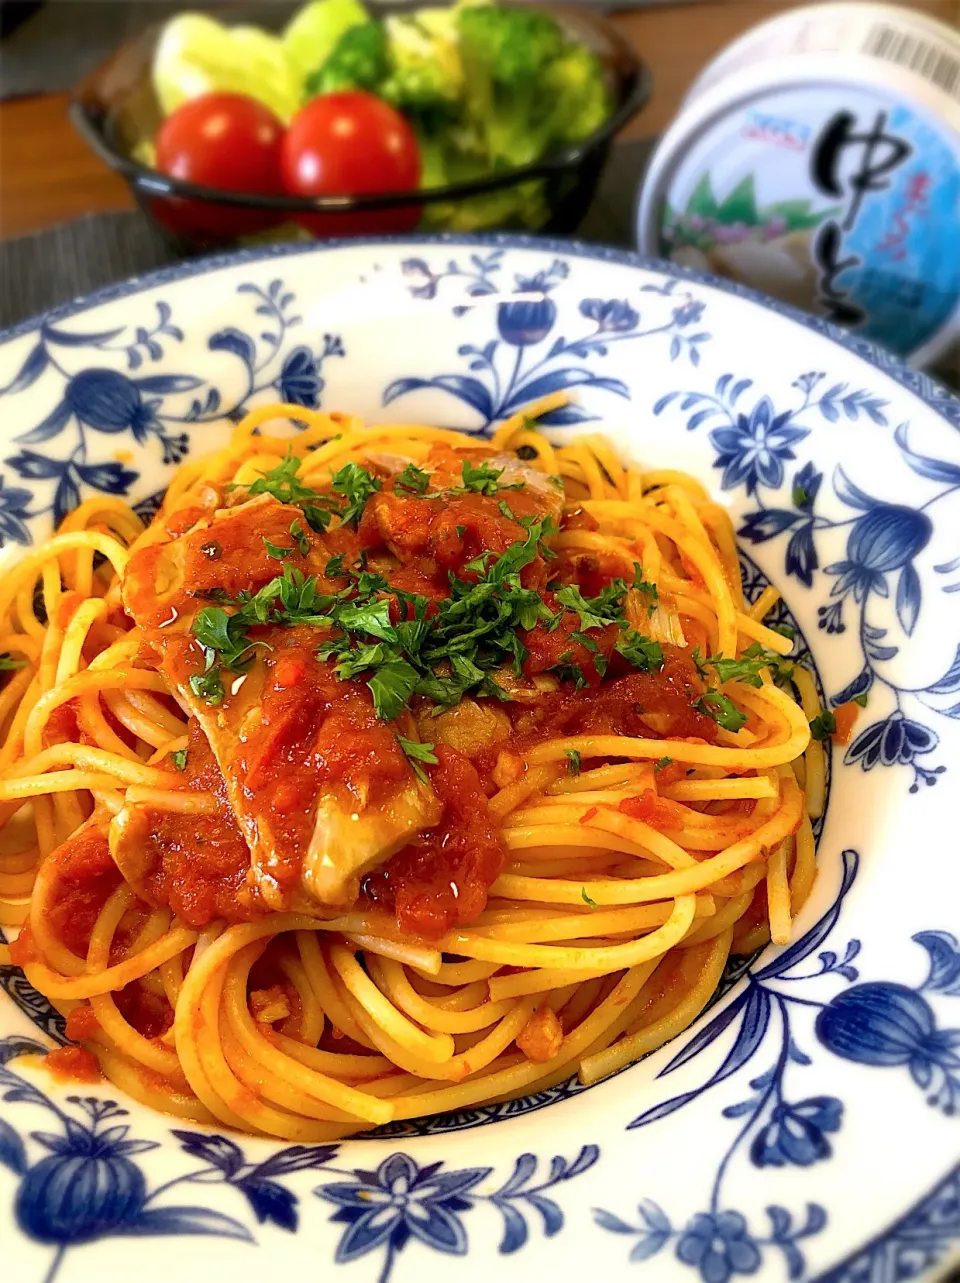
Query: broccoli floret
x=510, y=45
x=574, y=88
x=426, y=73
x=521, y=105
x=359, y=61
x=529, y=90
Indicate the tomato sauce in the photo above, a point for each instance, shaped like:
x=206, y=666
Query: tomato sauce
x=652, y=809
x=289, y=732
x=75, y=1064
x=84, y=877
x=148, y=1012
x=82, y=1023
x=557, y=648
x=314, y=736
x=448, y=535
x=441, y=879
x=62, y=725
x=220, y=559
x=24, y=949
x=643, y=705
x=196, y=864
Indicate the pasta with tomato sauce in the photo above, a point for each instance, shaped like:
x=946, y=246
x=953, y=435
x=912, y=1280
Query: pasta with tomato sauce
x=391, y=771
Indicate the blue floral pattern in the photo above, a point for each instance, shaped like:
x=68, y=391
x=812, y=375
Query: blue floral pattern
x=718, y=1246
x=86, y=1185
x=160, y=407
x=753, y=448
x=874, y=1023
x=401, y=1201
x=520, y=365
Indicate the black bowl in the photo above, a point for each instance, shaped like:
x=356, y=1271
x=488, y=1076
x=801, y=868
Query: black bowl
x=115, y=109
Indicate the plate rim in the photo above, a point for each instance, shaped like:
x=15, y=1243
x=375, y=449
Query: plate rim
x=934, y=394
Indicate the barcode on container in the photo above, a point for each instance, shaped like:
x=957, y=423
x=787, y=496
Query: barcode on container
x=928, y=59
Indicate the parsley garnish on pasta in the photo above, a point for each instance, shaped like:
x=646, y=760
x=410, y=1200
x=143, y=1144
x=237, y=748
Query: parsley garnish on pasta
x=437, y=743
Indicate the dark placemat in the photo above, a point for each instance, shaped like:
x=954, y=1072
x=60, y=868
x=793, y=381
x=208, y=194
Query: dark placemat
x=46, y=268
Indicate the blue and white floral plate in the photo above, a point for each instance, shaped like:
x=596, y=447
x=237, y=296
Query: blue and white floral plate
x=807, y=1126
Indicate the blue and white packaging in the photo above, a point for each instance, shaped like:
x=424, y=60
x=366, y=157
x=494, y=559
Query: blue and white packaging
x=818, y=159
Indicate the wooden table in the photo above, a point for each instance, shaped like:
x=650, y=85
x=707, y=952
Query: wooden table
x=48, y=175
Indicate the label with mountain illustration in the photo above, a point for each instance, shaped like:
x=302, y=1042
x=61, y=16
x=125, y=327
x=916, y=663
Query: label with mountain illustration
x=846, y=205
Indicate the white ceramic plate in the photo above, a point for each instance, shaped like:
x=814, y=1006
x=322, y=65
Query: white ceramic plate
x=806, y=1127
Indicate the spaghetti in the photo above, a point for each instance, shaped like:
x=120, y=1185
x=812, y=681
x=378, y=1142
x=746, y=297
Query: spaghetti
x=389, y=771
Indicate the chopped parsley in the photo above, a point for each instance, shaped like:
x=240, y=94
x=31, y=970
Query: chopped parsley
x=391, y=686
x=860, y=699
x=286, y=487
x=823, y=725
x=287, y=600
x=723, y=710
x=573, y=757
x=417, y=753
x=646, y=587
x=383, y=635
x=571, y=673
x=586, y=899
x=800, y=496
x=356, y=485
x=479, y=564
x=299, y=536
x=208, y=685
x=483, y=479
x=353, y=485
x=179, y=759
x=662, y=764
x=372, y=617
x=643, y=653
x=8, y=663
x=595, y=612
x=301, y=544
x=471, y=633
x=225, y=637
x=749, y=667
x=413, y=479
x=744, y=670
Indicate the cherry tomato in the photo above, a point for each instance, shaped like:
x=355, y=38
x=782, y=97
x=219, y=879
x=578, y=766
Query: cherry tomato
x=227, y=141
x=346, y=145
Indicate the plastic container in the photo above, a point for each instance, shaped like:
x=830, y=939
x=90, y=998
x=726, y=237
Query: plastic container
x=818, y=160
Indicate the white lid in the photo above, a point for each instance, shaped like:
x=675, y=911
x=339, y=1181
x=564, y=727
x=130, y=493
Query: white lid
x=887, y=34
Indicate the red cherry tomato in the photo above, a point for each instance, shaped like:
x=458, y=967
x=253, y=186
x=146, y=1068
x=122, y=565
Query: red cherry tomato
x=346, y=145
x=227, y=141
